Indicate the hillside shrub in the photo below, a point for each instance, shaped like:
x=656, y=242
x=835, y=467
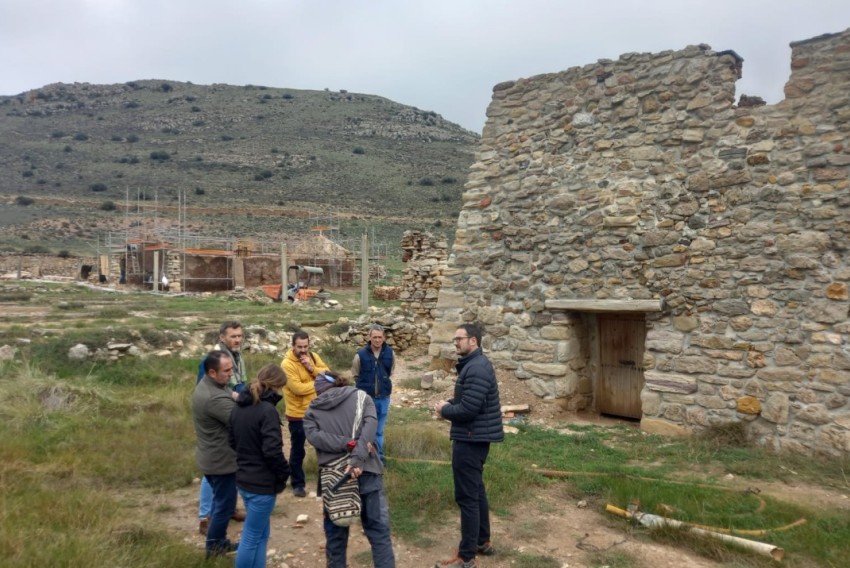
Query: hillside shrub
x=448, y=180
x=358, y=150
x=263, y=175
x=199, y=191
x=226, y=138
x=286, y=97
x=116, y=138
x=81, y=136
x=57, y=134
x=170, y=130
x=160, y=155
x=24, y=201
x=426, y=181
x=132, y=104
x=98, y=187
x=63, y=254
x=27, y=173
x=166, y=88
x=107, y=206
x=37, y=249
x=198, y=123
x=67, y=149
x=132, y=138
x=196, y=109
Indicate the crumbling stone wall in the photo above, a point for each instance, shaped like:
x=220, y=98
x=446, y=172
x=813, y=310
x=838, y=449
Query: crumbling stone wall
x=425, y=259
x=640, y=179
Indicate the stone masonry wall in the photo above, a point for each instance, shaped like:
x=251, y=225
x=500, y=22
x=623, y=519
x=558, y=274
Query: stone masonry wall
x=425, y=259
x=641, y=179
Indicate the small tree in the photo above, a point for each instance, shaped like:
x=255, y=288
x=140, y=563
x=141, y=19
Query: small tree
x=98, y=187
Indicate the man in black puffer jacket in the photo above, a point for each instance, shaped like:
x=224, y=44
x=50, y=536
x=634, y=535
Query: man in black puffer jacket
x=476, y=416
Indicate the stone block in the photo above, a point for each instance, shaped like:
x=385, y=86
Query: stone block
x=664, y=428
x=748, y=405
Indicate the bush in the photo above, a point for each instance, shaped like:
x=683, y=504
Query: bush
x=132, y=104
x=199, y=191
x=107, y=206
x=37, y=249
x=27, y=173
x=57, y=134
x=160, y=155
x=448, y=180
x=165, y=87
x=24, y=201
x=198, y=123
x=98, y=187
x=286, y=97
x=196, y=109
x=426, y=181
x=226, y=138
x=359, y=150
x=67, y=149
x=116, y=138
x=132, y=138
x=81, y=136
x=63, y=254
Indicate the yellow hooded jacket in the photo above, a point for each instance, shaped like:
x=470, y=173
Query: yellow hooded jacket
x=299, y=391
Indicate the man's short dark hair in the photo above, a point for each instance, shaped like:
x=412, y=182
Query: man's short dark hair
x=300, y=334
x=229, y=325
x=472, y=330
x=213, y=361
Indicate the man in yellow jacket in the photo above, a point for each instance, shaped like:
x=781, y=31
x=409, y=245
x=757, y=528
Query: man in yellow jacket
x=301, y=367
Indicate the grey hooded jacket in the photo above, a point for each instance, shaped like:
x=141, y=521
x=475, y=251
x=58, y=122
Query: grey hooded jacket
x=328, y=422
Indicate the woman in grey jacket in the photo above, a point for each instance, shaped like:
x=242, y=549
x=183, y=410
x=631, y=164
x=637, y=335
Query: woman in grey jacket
x=328, y=425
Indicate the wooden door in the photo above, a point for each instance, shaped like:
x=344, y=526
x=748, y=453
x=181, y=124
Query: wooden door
x=621, y=345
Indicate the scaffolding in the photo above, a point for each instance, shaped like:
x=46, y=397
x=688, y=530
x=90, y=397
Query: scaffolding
x=146, y=231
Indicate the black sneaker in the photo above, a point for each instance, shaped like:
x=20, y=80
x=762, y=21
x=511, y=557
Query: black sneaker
x=299, y=492
x=486, y=549
x=222, y=548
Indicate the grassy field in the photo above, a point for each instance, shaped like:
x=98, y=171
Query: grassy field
x=74, y=436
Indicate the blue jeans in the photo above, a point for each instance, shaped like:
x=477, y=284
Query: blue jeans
x=255, y=531
x=382, y=407
x=297, y=438
x=223, y=506
x=470, y=495
x=205, y=498
x=374, y=514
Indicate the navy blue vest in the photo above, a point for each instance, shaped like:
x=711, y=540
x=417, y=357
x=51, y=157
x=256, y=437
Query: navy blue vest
x=374, y=378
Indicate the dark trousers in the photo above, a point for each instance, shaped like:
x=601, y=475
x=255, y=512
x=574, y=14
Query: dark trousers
x=374, y=514
x=297, y=438
x=468, y=460
x=223, y=506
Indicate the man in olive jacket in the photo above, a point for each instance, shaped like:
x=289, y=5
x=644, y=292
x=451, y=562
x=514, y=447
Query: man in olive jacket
x=212, y=403
x=476, y=416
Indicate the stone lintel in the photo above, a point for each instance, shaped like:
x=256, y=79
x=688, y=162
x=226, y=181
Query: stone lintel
x=602, y=306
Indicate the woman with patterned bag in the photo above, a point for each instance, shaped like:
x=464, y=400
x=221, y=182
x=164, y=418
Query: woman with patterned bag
x=341, y=424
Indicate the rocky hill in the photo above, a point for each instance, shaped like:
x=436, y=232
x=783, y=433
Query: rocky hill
x=245, y=160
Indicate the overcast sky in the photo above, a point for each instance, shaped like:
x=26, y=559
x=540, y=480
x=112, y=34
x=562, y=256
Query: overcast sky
x=440, y=55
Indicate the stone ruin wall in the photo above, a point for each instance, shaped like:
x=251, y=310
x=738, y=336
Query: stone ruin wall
x=641, y=179
x=425, y=259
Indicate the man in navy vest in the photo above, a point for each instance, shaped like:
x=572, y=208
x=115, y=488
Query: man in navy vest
x=372, y=370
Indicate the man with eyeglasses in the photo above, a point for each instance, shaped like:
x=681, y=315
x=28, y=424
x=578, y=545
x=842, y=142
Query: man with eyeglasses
x=476, y=416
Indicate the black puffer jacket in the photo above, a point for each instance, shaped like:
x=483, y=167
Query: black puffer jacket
x=475, y=411
x=255, y=436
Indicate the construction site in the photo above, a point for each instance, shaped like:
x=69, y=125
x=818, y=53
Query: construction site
x=156, y=252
